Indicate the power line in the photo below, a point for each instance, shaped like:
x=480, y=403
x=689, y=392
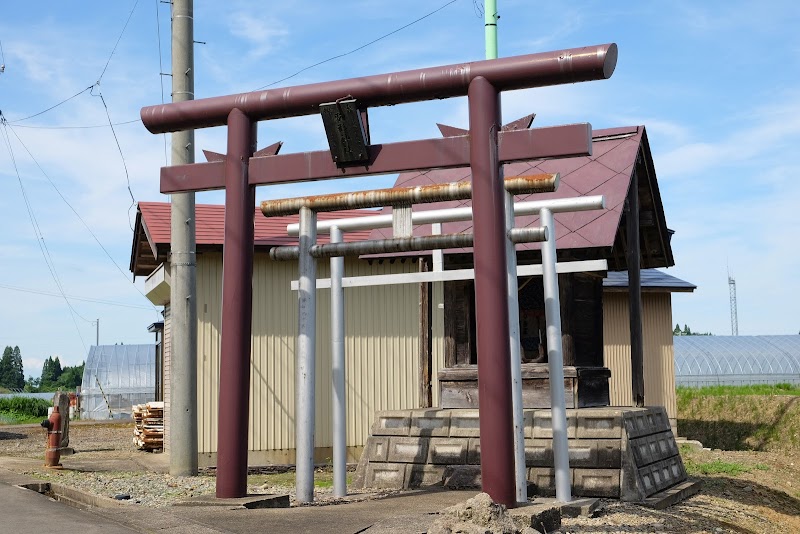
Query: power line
x=121, y=155
x=51, y=107
x=73, y=297
x=97, y=83
x=75, y=127
x=161, y=71
x=360, y=47
x=75, y=211
x=38, y=234
x=108, y=114
x=117, y=43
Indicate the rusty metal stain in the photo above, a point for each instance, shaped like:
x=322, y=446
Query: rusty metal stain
x=538, y=183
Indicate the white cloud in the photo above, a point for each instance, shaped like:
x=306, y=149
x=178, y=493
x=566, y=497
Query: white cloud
x=263, y=33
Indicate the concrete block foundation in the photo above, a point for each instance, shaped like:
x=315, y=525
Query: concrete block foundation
x=625, y=453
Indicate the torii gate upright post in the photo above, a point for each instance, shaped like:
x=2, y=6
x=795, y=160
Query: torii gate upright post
x=484, y=149
x=491, y=293
x=237, y=306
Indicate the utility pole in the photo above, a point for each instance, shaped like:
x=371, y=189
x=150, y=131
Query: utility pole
x=97, y=333
x=183, y=298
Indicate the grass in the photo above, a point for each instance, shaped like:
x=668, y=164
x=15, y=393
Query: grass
x=16, y=418
x=757, y=417
x=715, y=467
x=22, y=410
x=687, y=393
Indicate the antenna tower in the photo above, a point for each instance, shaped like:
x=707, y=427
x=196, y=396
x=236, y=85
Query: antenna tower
x=734, y=318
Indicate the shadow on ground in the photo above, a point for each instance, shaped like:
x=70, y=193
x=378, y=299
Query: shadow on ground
x=12, y=435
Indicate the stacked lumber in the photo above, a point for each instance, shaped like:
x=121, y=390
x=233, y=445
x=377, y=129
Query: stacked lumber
x=148, y=434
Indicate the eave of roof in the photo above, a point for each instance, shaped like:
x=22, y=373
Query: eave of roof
x=652, y=280
x=152, y=232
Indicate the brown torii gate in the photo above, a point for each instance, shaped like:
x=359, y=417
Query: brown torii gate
x=484, y=149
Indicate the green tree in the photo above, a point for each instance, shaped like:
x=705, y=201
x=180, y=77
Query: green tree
x=677, y=330
x=51, y=371
x=32, y=384
x=71, y=377
x=686, y=330
x=6, y=369
x=17, y=372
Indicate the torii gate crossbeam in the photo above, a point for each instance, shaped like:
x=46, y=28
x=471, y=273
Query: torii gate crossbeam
x=484, y=150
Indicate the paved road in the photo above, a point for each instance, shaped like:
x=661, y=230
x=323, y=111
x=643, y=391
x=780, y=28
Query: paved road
x=27, y=512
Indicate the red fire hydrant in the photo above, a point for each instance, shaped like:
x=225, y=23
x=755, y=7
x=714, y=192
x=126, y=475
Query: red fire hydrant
x=53, y=452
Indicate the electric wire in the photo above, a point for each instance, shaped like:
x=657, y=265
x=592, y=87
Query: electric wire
x=73, y=297
x=38, y=232
x=360, y=47
x=118, y=40
x=39, y=237
x=79, y=93
x=37, y=127
x=121, y=155
x=161, y=71
x=108, y=114
x=63, y=198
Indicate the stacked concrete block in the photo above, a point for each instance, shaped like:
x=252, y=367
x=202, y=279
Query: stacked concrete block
x=627, y=453
x=654, y=454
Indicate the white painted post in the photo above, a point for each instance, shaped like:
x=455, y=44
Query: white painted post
x=520, y=471
x=338, y=374
x=306, y=358
x=555, y=359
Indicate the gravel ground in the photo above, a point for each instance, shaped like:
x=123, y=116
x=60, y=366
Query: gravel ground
x=764, y=498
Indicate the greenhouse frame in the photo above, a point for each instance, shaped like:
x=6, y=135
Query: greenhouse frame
x=736, y=360
x=115, y=378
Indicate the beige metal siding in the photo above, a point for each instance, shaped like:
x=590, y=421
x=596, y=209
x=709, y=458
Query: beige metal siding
x=167, y=360
x=659, y=371
x=381, y=351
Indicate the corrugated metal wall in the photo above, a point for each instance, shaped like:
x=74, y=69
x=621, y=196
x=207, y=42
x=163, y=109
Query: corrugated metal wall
x=167, y=356
x=659, y=370
x=382, y=350
x=381, y=347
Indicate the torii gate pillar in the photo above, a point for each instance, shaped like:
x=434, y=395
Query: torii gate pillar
x=237, y=306
x=491, y=293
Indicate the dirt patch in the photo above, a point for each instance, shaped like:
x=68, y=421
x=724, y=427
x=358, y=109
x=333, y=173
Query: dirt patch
x=29, y=441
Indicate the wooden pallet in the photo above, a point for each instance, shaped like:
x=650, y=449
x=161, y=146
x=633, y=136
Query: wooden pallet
x=148, y=433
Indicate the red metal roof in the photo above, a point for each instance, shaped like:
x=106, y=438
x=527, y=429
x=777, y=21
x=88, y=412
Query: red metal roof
x=606, y=172
x=210, y=225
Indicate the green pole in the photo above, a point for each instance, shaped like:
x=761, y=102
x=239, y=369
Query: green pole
x=490, y=27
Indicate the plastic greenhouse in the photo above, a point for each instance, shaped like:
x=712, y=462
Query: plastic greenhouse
x=115, y=378
x=736, y=360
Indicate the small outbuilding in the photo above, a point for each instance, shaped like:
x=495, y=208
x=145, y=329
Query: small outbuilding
x=115, y=378
x=390, y=340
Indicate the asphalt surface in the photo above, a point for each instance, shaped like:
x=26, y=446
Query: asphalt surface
x=24, y=511
x=27, y=512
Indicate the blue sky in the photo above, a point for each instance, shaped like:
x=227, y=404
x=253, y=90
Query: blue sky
x=716, y=83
